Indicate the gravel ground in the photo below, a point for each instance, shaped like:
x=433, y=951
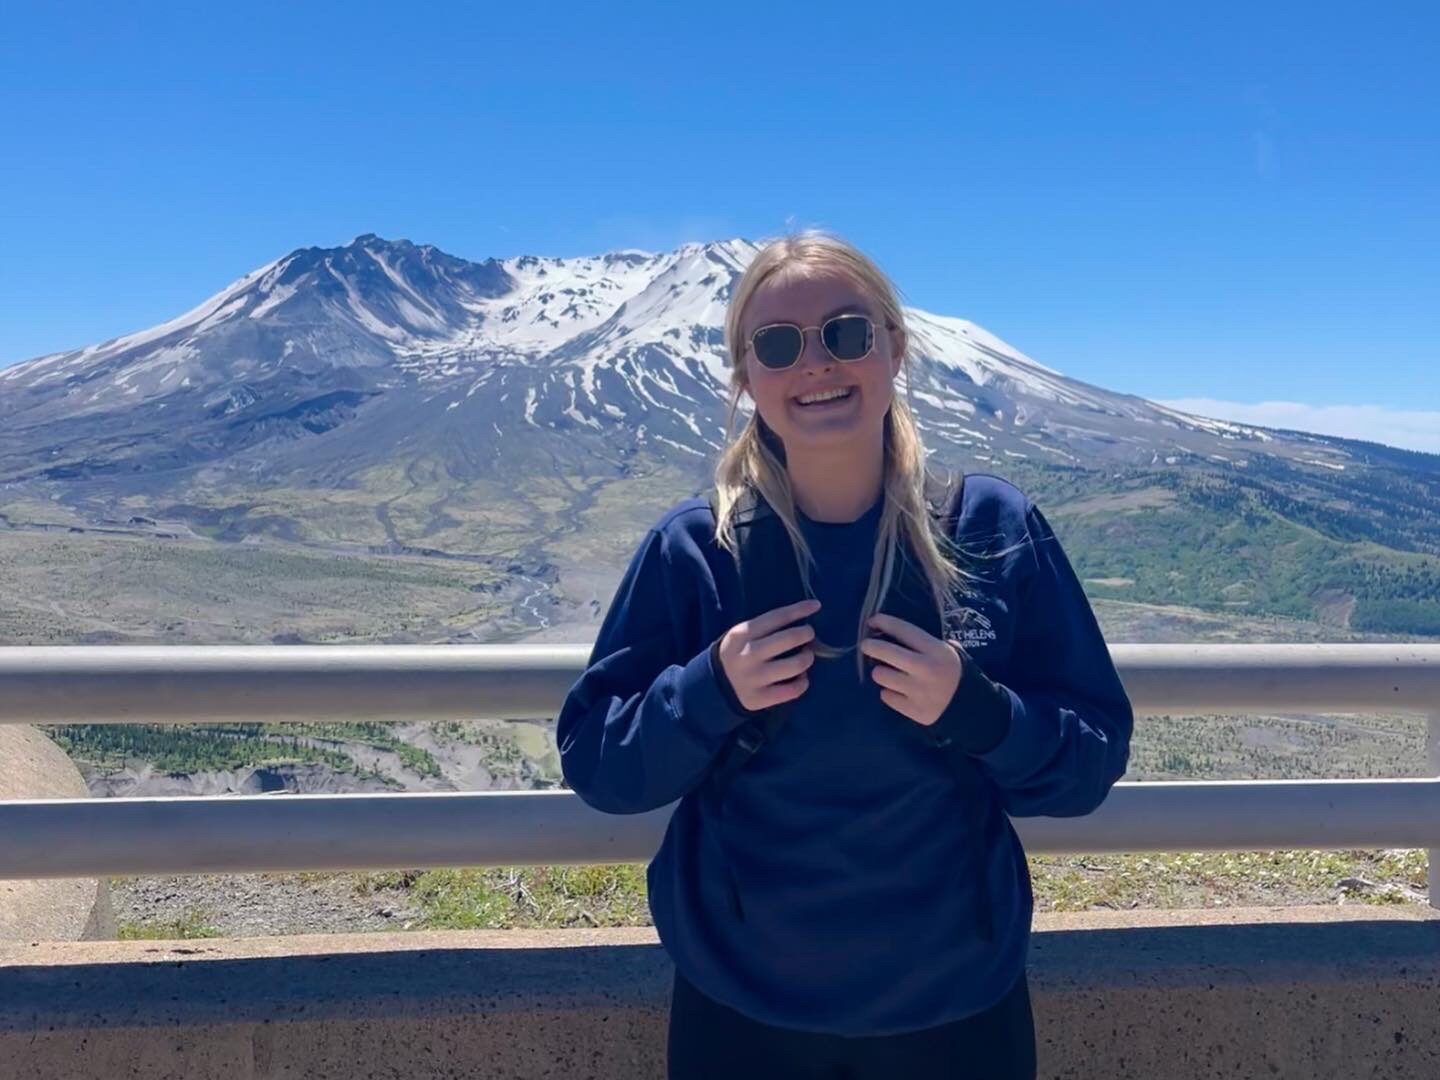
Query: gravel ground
x=263, y=905
x=259, y=905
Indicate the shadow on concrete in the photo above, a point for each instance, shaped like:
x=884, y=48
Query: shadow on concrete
x=195, y=990
x=1246, y=953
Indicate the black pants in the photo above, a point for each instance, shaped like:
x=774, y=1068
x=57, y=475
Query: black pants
x=709, y=1041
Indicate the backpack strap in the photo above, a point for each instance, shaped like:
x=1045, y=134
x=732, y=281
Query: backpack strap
x=767, y=580
x=943, y=498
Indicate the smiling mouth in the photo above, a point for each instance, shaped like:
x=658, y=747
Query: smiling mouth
x=824, y=397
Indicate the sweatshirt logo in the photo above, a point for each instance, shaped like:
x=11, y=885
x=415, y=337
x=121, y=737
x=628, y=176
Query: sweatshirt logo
x=972, y=629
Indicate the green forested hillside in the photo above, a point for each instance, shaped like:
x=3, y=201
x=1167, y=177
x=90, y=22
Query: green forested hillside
x=1229, y=541
x=179, y=749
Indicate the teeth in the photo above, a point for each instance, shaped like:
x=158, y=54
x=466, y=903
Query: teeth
x=824, y=395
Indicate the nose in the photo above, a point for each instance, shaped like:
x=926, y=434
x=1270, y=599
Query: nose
x=813, y=351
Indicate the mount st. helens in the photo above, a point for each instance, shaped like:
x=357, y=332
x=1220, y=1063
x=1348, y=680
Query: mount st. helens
x=532, y=415
x=619, y=351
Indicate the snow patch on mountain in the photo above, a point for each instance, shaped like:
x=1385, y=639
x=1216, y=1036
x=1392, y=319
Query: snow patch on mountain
x=219, y=307
x=624, y=346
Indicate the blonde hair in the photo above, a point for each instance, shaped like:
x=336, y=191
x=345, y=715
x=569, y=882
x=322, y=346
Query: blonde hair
x=748, y=462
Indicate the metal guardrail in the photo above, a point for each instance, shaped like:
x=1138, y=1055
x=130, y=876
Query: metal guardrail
x=249, y=833
x=209, y=684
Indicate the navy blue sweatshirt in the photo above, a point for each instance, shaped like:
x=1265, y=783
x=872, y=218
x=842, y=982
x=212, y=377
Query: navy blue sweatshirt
x=833, y=889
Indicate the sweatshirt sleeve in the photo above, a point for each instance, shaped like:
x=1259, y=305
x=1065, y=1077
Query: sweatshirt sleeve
x=647, y=718
x=1056, y=740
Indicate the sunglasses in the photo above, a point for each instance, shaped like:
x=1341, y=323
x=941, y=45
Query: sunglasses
x=846, y=337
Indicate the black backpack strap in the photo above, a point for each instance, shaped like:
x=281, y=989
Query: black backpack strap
x=943, y=498
x=748, y=740
x=768, y=578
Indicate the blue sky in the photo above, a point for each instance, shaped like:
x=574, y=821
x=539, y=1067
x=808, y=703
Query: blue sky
x=1233, y=203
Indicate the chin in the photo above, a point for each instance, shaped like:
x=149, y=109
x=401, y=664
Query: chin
x=831, y=438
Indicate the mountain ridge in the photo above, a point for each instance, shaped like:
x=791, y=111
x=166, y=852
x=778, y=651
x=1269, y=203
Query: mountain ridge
x=364, y=315
x=505, y=405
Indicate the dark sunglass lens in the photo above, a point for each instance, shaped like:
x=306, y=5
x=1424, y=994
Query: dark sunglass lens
x=848, y=337
x=777, y=346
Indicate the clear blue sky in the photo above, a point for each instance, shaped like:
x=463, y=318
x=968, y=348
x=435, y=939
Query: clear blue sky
x=1231, y=201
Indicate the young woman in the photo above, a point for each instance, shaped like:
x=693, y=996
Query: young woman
x=847, y=688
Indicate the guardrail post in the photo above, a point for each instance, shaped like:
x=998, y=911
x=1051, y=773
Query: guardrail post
x=1432, y=752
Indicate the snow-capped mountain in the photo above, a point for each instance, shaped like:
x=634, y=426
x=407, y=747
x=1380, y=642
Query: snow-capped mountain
x=336, y=359
x=532, y=414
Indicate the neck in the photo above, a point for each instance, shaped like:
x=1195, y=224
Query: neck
x=837, y=487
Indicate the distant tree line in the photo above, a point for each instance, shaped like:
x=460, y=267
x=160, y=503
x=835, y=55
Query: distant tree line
x=181, y=749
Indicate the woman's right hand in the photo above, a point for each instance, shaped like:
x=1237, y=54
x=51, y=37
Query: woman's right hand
x=751, y=654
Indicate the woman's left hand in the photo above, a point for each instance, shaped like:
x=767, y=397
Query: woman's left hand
x=917, y=672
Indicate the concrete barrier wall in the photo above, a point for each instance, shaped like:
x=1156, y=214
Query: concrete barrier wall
x=57, y=909
x=1335, y=992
